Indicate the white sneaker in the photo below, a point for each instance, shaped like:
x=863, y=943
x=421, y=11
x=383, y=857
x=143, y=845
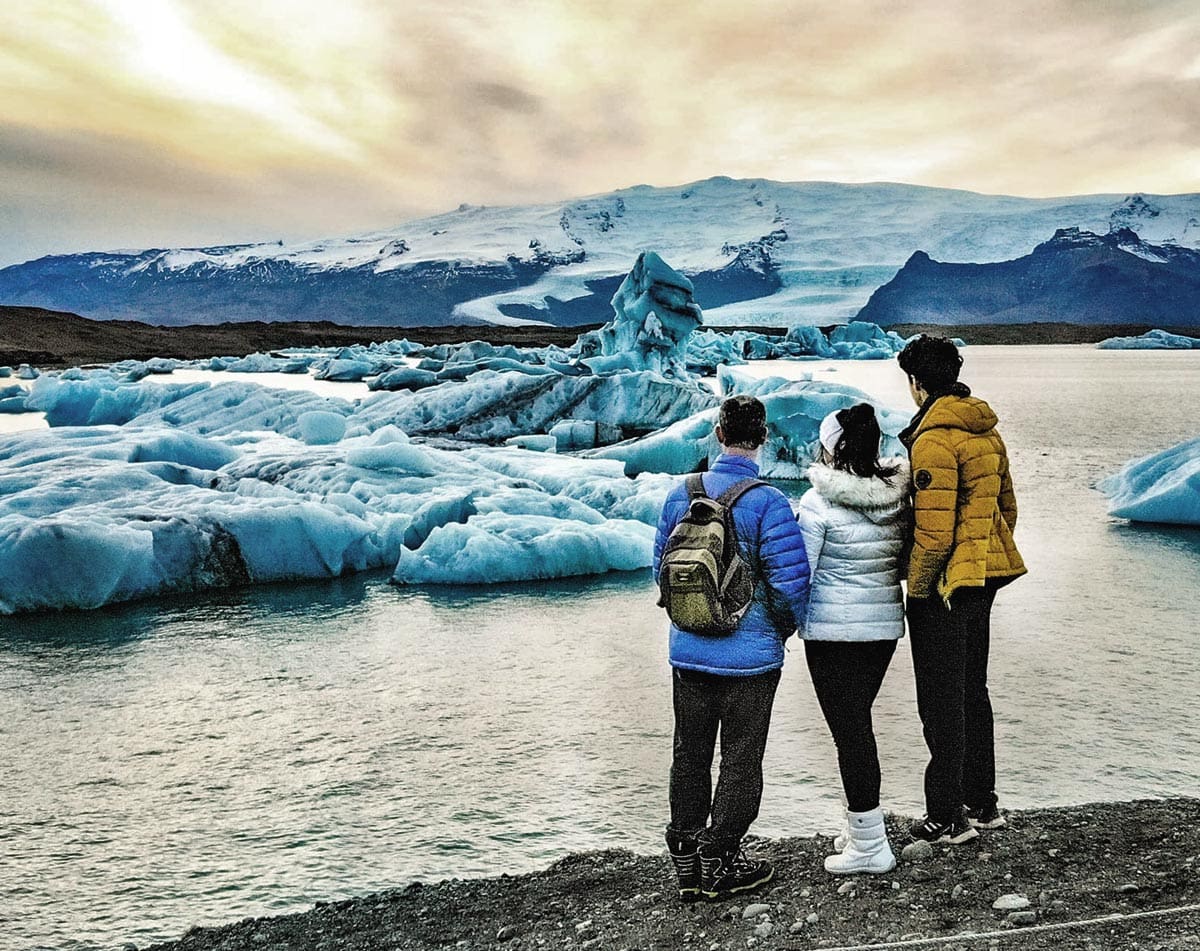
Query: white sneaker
x=867, y=849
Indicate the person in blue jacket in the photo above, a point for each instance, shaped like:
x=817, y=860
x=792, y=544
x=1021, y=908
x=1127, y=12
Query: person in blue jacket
x=726, y=684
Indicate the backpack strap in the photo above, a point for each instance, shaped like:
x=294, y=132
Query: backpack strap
x=737, y=490
x=695, y=487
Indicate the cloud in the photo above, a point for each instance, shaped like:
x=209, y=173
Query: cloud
x=308, y=115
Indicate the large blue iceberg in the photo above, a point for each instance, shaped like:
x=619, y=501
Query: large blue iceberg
x=1164, y=487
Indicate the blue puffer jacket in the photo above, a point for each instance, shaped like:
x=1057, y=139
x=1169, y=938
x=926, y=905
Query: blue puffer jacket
x=773, y=544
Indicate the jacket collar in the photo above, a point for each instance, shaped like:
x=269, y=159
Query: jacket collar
x=859, y=492
x=955, y=393
x=735, y=464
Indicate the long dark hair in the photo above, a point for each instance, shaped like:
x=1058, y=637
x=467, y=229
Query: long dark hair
x=857, y=449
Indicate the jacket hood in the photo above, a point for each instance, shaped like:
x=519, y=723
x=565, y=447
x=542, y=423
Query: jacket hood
x=876, y=498
x=952, y=412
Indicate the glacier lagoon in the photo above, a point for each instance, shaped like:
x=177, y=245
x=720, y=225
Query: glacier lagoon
x=203, y=758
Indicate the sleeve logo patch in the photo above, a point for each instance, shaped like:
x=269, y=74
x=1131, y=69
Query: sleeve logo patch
x=923, y=479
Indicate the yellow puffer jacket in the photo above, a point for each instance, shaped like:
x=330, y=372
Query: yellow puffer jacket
x=963, y=501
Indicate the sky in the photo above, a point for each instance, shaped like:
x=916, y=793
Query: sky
x=163, y=123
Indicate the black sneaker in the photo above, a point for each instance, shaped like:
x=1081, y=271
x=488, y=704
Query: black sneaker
x=725, y=873
x=955, y=832
x=988, y=817
x=686, y=859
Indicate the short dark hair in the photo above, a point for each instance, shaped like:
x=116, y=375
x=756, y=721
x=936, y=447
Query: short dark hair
x=743, y=422
x=933, y=362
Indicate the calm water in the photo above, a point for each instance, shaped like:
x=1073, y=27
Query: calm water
x=249, y=752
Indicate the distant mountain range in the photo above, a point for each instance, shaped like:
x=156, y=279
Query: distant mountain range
x=1076, y=277
x=759, y=252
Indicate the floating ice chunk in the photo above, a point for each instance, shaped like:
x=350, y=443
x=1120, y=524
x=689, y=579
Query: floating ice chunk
x=261, y=363
x=5, y=372
x=101, y=398
x=492, y=407
x=795, y=409
x=573, y=434
x=533, y=443
x=654, y=316
x=26, y=372
x=403, y=378
x=1164, y=487
x=347, y=371
x=180, y=448
x=497, y=547
x=1152, y=340
x=319, y=427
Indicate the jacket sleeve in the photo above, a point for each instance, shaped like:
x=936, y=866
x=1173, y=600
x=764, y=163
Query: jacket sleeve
x=1007, y=498
x=667, y=520
x=782, y=555
x=812, y=527
x=935, y=503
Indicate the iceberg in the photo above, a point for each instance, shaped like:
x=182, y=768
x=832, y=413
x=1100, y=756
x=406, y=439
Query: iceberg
x=1164, y=487
x=1152, y=340
x=654, y=317
x=795, y=409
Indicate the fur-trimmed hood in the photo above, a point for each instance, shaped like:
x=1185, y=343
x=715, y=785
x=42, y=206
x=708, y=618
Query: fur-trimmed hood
x=876, y=498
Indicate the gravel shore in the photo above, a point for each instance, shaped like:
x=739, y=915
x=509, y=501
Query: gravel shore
x=1114, y=876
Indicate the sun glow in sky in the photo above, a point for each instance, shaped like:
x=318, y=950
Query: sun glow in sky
x=132, y=123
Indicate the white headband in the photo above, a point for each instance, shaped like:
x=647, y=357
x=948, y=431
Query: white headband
x=831, y=432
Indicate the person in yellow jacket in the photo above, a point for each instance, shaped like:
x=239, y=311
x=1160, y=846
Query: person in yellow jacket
x=964, y=513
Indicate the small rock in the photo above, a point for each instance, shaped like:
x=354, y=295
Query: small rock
x=1044, y=897
x=958, y=891
x=916, y=851
x=845, y=888
x=985, y=856
x=813, y=918
x=920, y=875
x=1021, y=919
x=764, y=930
x=806, y=893
x=895, y=886
x=872, y=915
x=583, y=926
x=753, y=911
x=1054, y=853
x=795, y=927
x=1128, y=888
x=506, y=933
x=1011, y=902
x=1008, y=876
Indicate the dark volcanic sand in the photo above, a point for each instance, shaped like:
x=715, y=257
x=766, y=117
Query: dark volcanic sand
x=47, y=338
x=1074, y=863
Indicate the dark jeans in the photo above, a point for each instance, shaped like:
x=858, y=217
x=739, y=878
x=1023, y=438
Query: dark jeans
x=740, y=709
x=846, y=676
x=950, y=662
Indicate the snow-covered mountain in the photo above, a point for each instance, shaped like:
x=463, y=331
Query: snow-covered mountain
x=758, y=252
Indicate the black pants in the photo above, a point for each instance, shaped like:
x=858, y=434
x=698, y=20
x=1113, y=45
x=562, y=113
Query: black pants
x=950, y=662
x=739, y=708
x=847, y=676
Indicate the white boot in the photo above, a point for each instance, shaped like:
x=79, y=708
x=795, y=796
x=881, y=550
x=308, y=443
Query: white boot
x=840, y=840
x=867, y=849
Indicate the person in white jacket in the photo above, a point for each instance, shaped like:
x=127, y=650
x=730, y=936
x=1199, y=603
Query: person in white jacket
x=855, y=521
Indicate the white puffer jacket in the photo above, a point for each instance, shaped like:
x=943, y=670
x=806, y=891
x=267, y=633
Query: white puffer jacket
x=855, y=531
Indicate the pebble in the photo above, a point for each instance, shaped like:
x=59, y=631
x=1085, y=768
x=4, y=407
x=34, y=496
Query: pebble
x=916, y=851
x=805, y=892
x=583, y=926
x=895, y=886
x=872, y=915
x=1008, y=876
x=920, y=875
x=1011, y=902
x=1044, y=897
x=845, y=888
x=753, y=911
x=1022, y=918
x=505, y=933
x=813, y=918
x=1054, y=853
x=764, y=930
x=1128, y=888
x=958, y=891
x=795, y=927
x=985, y=856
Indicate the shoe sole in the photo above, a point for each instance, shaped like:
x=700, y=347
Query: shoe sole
x=740, y=889
x=965, y=836
x=998, y=823
x=689, y=894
